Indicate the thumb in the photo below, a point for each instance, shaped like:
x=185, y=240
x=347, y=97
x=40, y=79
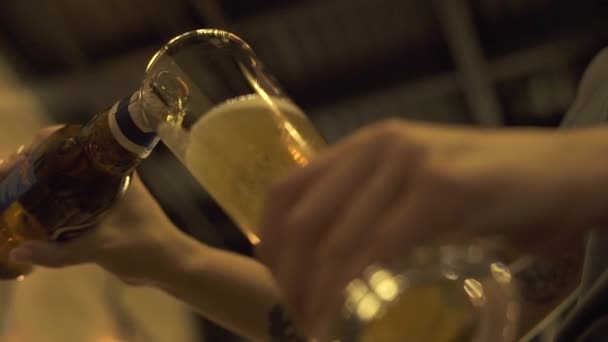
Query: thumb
x=46, y=253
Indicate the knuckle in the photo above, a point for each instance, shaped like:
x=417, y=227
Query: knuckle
x=390, y=123
x=391, y=135
x=388, y=129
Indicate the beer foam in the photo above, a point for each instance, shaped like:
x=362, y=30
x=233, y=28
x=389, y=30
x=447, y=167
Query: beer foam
x=277, y=105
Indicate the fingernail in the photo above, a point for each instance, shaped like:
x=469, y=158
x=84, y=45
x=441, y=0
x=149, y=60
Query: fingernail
x=22, y=255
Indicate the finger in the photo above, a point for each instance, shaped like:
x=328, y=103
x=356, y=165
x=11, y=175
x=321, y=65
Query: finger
x=38, y=139
x=352, y=231
x=394, y=234
x=279, y=200
x=6, y=165
x=403, y=229
x=320, y=323
x=408, y=225
x=287, y=190
x=50, y=254
x=41, y=136
x=312, y=215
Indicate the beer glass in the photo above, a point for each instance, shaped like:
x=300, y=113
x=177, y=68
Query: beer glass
x=217, y=108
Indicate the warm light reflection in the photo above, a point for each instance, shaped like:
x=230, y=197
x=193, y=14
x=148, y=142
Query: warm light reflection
x=253, y=238
x=20, y=278
x=384, y=284
x=451, y=275
x=297, y=155
x=475, y=291
x=500, y=272
x=287, y=125
x=368, y=307
x=355, y=291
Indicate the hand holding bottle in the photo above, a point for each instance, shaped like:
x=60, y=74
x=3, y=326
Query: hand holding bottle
x=137, y=241
x=139, y=244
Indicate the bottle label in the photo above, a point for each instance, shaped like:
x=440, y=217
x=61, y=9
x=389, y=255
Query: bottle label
x=128, y=132
x=17, y=183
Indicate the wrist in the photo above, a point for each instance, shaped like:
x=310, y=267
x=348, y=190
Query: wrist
x=180, y=254
x=589, y=155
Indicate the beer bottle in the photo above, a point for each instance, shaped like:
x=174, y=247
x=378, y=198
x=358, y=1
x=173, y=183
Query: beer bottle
x=69, y=182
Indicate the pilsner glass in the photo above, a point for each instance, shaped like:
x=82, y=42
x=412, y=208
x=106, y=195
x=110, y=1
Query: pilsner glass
x=225, y=117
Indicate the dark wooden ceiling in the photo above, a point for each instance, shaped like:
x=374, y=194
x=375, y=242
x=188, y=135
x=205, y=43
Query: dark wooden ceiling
x=327, y=53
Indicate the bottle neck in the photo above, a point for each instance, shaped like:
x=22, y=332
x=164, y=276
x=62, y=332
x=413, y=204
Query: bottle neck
x=115, y=141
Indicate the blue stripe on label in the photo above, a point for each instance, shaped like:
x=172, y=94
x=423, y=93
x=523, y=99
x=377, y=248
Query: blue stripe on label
x=17, y=183
x=129, y=128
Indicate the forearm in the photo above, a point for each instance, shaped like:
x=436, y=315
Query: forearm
x=587, y=149
x=235, y=292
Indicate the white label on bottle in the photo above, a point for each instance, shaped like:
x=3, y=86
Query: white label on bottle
x=128, y=132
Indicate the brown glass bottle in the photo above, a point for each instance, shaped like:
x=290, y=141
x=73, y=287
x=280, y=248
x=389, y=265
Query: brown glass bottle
x=66, y=185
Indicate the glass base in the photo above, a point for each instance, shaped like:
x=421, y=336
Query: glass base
x=450, y=294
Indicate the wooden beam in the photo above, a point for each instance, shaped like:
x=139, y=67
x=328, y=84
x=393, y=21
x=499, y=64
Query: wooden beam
x=460, y=33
